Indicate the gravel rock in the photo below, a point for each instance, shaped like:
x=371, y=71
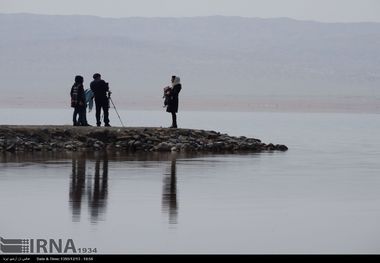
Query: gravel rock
x=67, y=138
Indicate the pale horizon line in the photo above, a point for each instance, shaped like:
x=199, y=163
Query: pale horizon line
x=187, y=17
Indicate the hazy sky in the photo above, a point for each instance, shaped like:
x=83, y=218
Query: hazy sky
x=319, y=10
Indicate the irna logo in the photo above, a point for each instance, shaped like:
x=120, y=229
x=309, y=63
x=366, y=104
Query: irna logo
x=39, y=246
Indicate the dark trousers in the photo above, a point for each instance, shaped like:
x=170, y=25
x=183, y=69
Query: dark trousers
x=99, y=105
x=80, y=112
x=174, y=120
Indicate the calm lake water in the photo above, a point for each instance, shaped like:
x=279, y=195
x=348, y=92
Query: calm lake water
x=322, y=196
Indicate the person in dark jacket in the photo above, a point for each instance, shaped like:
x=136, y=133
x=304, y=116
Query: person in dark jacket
x=172, y=102
x=101, y=92
x=78, y=102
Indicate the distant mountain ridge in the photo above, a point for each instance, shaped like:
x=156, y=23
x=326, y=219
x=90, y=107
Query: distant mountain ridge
x=218, y=58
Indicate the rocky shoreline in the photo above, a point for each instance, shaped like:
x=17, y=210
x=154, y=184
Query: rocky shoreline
x=68, y=138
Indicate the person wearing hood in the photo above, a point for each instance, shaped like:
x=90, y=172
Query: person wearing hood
x=172, y=103
x=78, y=102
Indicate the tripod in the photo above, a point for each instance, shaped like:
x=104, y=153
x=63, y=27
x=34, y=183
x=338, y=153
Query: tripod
x=110, y=99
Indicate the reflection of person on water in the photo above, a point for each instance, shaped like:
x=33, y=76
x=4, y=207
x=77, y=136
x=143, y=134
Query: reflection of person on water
x=169, y=193
x=78, y=180
x=97, y=190
x=97, y=187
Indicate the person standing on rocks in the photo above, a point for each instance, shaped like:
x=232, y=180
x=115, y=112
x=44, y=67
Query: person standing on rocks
x=101, y=91
x=78, y=102
x=172, y=102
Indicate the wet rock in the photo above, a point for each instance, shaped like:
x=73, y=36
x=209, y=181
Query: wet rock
x=90, y=141
x=82, y=138
x=138, y=145
x=11, y=147
x=210, y=146
x=282, y=148
x=211, y=135
x=271, y=147
x=187, y=148
x=69, y=147
x=175, y=149
x=163, y=147
x=38, y=147
x=172, y=140
x=219, y=145
x=98, y=145
x=102, y=135
x=130, y=144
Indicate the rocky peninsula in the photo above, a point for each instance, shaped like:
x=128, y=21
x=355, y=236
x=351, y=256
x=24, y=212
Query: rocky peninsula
x=68, y=138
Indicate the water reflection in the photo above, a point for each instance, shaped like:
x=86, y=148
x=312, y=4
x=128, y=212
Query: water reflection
x=169, y=192
x=88, y=177
x=95, y=184
x=97, y=189
x=78, y=180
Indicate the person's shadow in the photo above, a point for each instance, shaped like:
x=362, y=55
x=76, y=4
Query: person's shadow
x=169, y=193
x=96, y=186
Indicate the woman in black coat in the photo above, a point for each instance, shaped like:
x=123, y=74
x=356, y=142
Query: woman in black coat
x=172, y=106
x=78, y=102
